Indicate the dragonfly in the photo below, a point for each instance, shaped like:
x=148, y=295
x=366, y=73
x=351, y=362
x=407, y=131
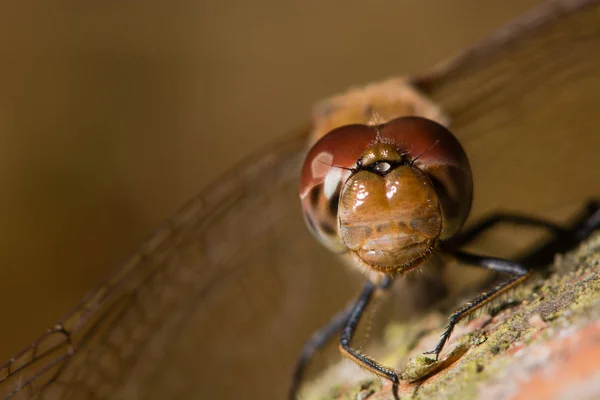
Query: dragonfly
x=218, y=302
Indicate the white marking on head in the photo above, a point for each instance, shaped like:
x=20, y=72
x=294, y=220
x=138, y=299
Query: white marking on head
x=331, y=182
x=321, y=164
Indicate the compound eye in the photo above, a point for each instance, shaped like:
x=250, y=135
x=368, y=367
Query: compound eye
x=328, y=164
x=382, y=167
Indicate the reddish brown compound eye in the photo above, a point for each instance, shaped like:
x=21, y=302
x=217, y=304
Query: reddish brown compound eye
x=386, y=193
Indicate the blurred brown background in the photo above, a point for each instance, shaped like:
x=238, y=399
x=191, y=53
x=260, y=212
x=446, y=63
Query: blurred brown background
x=112, y=114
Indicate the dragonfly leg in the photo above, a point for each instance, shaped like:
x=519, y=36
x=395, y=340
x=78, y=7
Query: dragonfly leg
x=470, y=233
x=586, y=224
x=519, y=274
x=321, y=337
x=316, y=342
x=348, y=333
x=591, y=222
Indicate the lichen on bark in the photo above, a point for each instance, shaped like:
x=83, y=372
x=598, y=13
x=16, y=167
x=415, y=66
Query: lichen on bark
x=547, y=329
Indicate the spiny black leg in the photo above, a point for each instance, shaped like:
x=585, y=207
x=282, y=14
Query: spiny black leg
x=591, y=223
x=519, y=273
x=348, y=333
x=316, y=342
x=471, y=232
x=579, y=229
x=320, y=338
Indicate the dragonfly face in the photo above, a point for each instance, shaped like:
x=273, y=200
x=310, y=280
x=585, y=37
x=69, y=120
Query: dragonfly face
x=386, y=194
x=217, y=303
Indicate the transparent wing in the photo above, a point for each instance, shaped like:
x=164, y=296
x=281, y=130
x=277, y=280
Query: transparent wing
x=522, y=103
x=218, y=302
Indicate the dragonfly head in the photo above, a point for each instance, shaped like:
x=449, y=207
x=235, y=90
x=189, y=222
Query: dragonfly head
x=386, y=193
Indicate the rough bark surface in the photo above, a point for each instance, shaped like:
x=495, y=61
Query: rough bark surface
x=542, y=342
